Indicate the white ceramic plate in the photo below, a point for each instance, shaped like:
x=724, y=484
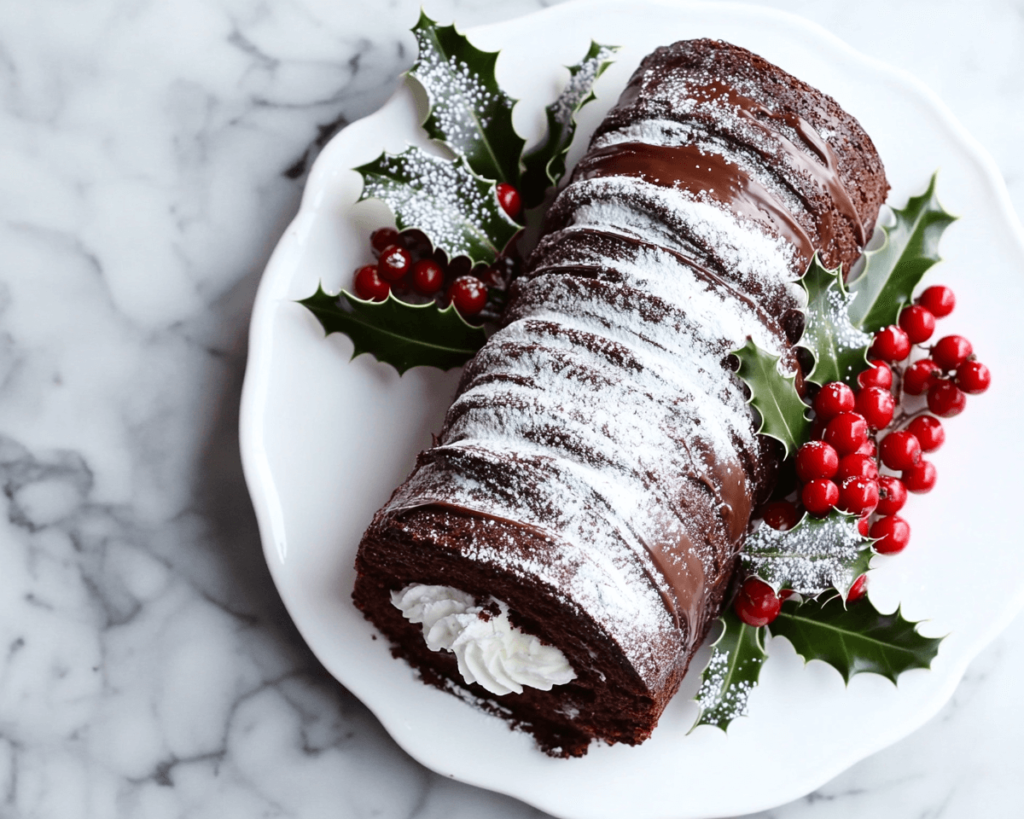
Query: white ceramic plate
x=325, y=440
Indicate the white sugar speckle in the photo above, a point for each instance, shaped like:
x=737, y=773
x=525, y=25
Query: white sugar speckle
x=603, y=415
x=810, y=558
x=461, y=106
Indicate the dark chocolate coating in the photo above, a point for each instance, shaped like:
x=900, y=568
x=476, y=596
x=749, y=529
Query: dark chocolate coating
x=585, y=347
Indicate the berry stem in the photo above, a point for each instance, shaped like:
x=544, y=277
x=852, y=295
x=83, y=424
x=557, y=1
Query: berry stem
x=902, y=418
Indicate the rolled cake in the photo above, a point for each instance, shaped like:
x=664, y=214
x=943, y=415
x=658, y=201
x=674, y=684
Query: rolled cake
x=561, y=551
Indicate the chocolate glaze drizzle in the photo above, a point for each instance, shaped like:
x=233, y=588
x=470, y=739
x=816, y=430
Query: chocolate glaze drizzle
x=705, y=174
x=600, y=430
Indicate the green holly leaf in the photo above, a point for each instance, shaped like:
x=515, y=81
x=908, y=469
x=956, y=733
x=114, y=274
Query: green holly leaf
x=855, y=640
x=839, y=348
x=544, y=164
x=468, y=110
x=815, y=555
x=397, y=333
x=774, y=396
x=731, y=674
x=893, y=271
x=457, y=209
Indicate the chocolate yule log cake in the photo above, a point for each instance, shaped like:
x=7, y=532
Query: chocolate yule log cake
x=561, y=551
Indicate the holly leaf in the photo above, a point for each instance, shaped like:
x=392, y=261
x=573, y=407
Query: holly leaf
x=816, y=554
x=397, y=333
x=893, y=271
x=839, y=348
x=457, y=209
x=731, y=674
x=855, y=640
x=544, y=164
x=774, y=396
x=468, y=110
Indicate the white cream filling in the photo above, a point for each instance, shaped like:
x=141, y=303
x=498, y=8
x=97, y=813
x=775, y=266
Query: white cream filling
x=489, y=649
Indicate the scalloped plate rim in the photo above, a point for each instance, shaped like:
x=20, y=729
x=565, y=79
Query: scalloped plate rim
x=260, y=479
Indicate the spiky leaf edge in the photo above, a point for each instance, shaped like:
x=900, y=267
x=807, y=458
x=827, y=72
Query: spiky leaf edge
x=502, y=147
x=488, y=243
x=828, y=341
x=736, y=636
x=783, y=416
x=753, y=561
x=927, y=646
x=334, y=318
x=544, y=164
x=892, y=271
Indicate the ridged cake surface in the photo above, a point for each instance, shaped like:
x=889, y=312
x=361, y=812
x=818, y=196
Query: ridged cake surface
x=597, y=471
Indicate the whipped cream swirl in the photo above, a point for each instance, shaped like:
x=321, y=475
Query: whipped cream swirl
x=489, y=649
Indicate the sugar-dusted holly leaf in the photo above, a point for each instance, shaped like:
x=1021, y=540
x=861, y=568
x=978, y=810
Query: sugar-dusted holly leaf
x=856, y=639
x=774, y=396
x=732, y=672
x=468, y=110
x=544, y=164
x=839, y=348
x=400, y=334
x=816, y=554
x=457, y=209
x=893, y=271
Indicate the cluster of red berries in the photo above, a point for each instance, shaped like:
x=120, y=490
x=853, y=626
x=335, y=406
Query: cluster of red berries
x=857, y=434
x=407, y=263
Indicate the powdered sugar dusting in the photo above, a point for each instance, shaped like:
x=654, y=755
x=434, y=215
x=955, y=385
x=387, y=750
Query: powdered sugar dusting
x=580, y=86
x=723, y=700
x=603, y=416
x=442, y=198
x=462, y=106
x=813, y=556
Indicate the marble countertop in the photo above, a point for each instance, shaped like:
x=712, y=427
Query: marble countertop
x=153, y=153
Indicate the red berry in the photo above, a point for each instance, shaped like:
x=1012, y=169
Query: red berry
x=383, y=238
x=757, y=604
x=509, y=199
x=858, y=496
x=892, y=494
x=877, y=375
x=919, y=376
x=857, y=466
x=781, y=515
x=468, y=294
x=847, y=432
x=928, y=431
x=877, y=406
x=891, y=344
x=892, y=533
x=864, y=525
x=946, y=399
x=427, y=277
x=950, y=352
x=491, y=277
x=973, y=377
x=816, y=459
x=939, y=300
x=393, y=263
x=920, y=478
x=832, y=399
x=819, y=495
x=917, y=322
x=368, y=285
x=857, y=590
x=867, y=448
x=416, y=242
x=900, y=450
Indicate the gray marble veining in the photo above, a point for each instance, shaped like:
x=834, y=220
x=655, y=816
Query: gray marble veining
x=152, y=153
